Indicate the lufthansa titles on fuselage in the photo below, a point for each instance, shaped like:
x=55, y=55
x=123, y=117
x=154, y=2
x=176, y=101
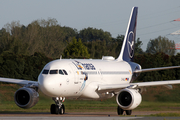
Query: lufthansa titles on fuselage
x=83, y=66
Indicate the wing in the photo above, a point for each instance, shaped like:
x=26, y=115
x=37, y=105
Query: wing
x=117, y=87
x=18, y=81
x=155, y=69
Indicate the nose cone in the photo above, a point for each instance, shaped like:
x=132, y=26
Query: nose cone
x=46, y=85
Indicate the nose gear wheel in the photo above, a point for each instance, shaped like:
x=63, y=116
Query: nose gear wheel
x=58, y=107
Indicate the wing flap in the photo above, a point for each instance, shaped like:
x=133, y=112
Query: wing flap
x=117, y=87
x=156, y=83
x=111, y=87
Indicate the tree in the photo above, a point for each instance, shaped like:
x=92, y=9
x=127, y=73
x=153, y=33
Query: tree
x=44, y=36
x=148, y=60
x=76, y=49
x=138, y=49
x=22, y=66
x=161, y=44
x=176, y=62
x=90, y=34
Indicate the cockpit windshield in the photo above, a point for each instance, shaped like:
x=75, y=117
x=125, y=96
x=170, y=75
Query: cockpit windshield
x=45, y=71
x=61, y=72
x=65, y=72
x=55, y=71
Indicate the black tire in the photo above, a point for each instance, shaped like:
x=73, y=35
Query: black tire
x=62, y=109
x=54, y=109
x=119, y=111
x=128, y=112
x=57, y=109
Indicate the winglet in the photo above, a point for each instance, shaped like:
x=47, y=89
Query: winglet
x=127, y=50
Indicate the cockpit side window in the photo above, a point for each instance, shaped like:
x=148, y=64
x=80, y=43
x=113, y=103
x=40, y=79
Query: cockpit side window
x=65, y=72
x=45, y=71
x=53, y=71
x=61, y=72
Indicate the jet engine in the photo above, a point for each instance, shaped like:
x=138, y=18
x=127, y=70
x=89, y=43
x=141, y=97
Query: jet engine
x=26, y=97
x=128, y=99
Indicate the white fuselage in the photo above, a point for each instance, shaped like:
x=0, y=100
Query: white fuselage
x=79, y=79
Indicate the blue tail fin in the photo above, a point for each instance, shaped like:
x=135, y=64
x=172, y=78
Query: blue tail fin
x=127, y=50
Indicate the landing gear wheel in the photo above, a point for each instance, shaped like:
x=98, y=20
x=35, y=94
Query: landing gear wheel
x=58, y=107
x=62, y=109
x=120, y=110
x=128, y=112
x=54, y=109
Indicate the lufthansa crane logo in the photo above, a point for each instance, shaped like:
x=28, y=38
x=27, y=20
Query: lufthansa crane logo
x=131, y=43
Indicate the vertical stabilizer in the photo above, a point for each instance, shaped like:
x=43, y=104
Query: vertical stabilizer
x=127, y=50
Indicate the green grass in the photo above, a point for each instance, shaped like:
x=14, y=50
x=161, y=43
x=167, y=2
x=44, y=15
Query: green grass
x=166, y=115
x=158, y=106
x=7, y=103
x=89, y=106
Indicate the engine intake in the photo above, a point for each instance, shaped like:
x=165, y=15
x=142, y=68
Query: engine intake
x=128, y=99
x=26, y=97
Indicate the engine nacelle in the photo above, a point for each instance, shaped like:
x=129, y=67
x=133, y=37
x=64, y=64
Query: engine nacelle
x=26, y=97
x=128, y=99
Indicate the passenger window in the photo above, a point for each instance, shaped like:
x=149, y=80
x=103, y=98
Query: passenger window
x=61, y=72
x=45, y=71
x=53, y=71
x=65, y=72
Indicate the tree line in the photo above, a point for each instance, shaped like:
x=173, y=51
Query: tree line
x=28, y=67
x=50, y=38
x=148, y=60
x=22, y=66
x=24, y=50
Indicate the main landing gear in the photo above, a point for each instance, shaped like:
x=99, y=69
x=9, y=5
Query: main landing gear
x=58, y=107
x=120, y=111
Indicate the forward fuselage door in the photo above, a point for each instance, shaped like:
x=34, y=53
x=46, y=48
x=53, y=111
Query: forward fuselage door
x=78, y=76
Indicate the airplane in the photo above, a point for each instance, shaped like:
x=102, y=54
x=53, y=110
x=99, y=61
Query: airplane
x=91, y=78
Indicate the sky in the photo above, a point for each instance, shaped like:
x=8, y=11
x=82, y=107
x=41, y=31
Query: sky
x=155, y=17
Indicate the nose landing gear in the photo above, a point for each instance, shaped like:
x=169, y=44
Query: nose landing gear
x=58, y=107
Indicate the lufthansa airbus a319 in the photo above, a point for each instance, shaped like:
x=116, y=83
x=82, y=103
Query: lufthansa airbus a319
x=91, y=79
